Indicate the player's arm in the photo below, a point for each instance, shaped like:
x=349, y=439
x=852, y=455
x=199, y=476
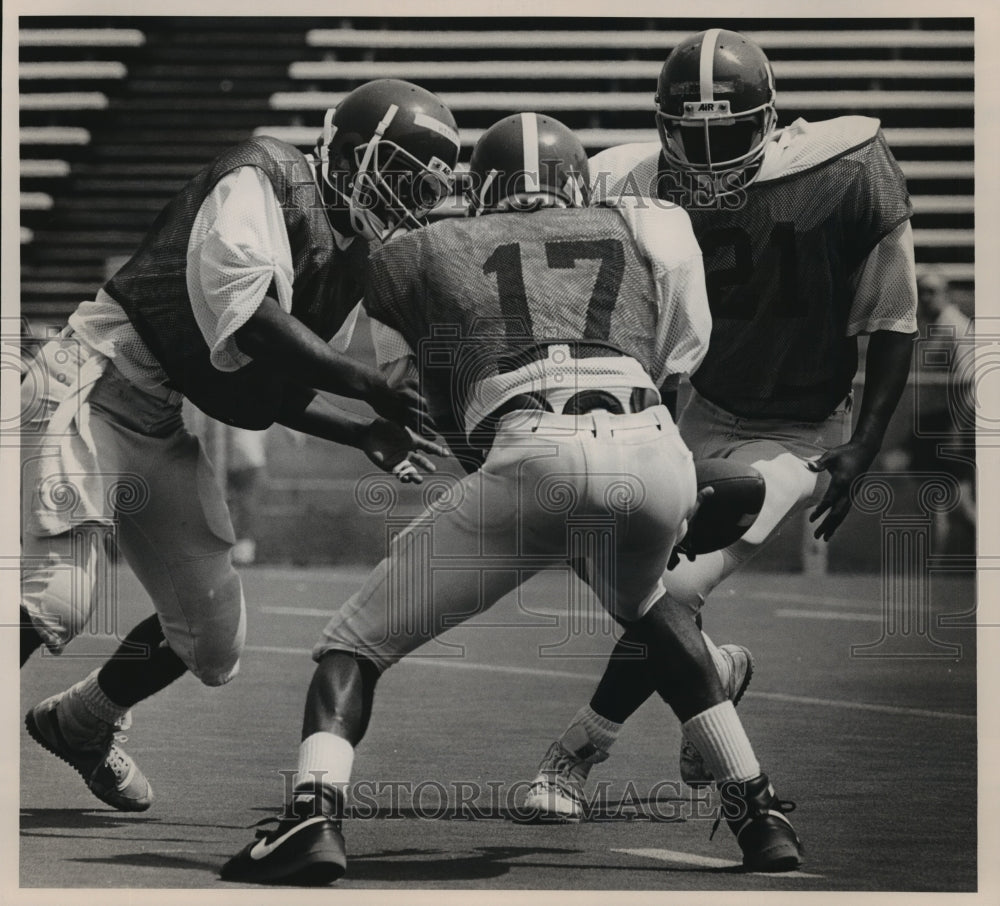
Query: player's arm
x=239, y=276
x=273, y=336
x=891, y=321
x=388, y=445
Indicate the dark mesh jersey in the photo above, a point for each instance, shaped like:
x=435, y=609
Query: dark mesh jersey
x=780, y=268
x=475, y=294
x=152, y=286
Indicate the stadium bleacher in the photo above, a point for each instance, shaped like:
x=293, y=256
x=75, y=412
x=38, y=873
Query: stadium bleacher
x=114, y=118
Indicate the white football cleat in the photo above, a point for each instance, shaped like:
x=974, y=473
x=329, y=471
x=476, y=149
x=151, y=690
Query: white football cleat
x=556, y=794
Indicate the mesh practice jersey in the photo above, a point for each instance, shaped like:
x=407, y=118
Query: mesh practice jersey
x=474, y=299
x=152, y=287
x=784, y=262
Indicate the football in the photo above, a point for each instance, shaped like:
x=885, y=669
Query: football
x=725, y=515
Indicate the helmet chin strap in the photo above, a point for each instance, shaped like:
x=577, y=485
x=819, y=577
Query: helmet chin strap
x=481, y=202
x=329, y=131
x=364, y=222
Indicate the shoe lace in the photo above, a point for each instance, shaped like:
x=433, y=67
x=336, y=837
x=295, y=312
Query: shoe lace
x=562, y=764
x=117, y=761
x=785, y=806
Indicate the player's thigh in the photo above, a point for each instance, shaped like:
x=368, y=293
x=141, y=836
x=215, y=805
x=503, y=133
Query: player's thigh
x=647, y=484
x=454, y=561
x=178, y=543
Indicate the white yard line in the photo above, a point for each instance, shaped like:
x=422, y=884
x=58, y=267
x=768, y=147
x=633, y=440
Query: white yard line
x=855, y=616
x=458, y=664
x=299, y=611
x=861, y=706
x=690, y=860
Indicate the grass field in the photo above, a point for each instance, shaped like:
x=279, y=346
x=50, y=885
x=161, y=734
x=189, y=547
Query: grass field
x=880, y=755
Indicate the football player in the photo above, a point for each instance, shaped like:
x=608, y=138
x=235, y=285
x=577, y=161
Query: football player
x=807, y=244
x=551, y=326
x=230, y=301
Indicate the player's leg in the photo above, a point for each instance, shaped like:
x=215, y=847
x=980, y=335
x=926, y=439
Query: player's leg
x=681, y=669
x=408, y=600
x=679, y=665
x=177, y=541
x=65, y=478
x=625, y=684
x=790, y=487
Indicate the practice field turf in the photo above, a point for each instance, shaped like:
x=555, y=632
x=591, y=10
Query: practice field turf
x=879, y=754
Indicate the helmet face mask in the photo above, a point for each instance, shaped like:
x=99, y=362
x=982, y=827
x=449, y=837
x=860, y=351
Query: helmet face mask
x=393, y=190
x=526, y=162
x=387, y=157
x=715, y=108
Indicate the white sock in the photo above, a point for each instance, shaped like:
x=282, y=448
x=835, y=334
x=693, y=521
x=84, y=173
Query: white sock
x=89, y=694
x=600, y=731
x=720, y=738
x=325, y=758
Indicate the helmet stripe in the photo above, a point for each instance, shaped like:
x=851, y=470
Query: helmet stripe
x=529, y=138
x=707, y=64
x=435, y=125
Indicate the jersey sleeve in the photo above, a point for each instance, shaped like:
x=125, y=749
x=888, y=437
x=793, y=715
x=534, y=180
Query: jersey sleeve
x=665, y=238
x=684, y=323
x=238, y=248
x=878, y=203
x=885, y=294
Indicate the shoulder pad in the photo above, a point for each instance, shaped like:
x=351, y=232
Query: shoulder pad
x=803, y=144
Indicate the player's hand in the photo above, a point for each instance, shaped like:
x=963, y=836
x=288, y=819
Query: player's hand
x=845, y=464
x=399, y=450
x=401, y=402
x=675, y=554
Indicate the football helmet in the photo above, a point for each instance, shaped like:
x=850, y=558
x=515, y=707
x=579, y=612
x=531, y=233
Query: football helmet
x=715, y=105
x=527, y=161
x=387, y=157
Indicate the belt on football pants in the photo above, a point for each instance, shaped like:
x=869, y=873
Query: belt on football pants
x=640, y=399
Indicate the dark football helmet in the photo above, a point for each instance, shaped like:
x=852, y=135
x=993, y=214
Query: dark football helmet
x=527, y=161
x=387, y=157
x=715, y=105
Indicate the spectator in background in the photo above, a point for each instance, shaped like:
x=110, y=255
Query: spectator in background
x=935, y=308
x=944, y=433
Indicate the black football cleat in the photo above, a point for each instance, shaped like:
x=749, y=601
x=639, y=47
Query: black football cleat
x=306, y=852
x=305, y=849
x=757, y=817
